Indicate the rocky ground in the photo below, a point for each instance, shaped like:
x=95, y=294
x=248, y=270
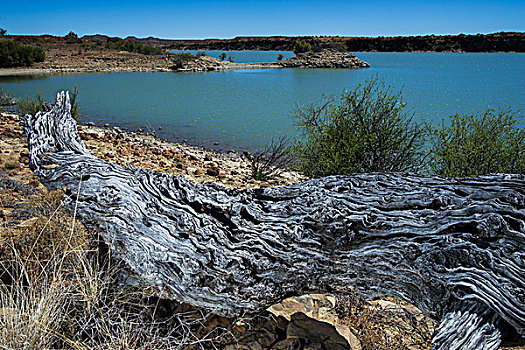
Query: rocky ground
x=206, y=64
x=324, y=59
x=321, y=59
x=86, y=56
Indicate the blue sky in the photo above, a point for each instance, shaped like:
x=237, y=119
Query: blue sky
x=230, y=18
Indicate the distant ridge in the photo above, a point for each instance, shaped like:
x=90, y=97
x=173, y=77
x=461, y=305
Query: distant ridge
x=496, y=42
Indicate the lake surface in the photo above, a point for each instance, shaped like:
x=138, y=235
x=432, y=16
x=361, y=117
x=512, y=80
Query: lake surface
x=244, y=109
x=244, y=56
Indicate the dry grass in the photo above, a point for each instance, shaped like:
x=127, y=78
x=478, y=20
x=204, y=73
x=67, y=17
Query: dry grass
x=387, y=324
x=59, y=290
x=9, y=162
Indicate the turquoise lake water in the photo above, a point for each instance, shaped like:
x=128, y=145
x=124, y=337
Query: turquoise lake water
x=244, y=109
x=244, y=56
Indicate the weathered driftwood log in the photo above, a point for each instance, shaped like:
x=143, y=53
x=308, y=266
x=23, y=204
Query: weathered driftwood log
x=454, y=248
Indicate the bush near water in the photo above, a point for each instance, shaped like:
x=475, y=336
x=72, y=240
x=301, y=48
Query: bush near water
x=301, y=46
x=480, y=143
x=33, y=105
x=369, y=129
x=179, y=60
x=15, y=54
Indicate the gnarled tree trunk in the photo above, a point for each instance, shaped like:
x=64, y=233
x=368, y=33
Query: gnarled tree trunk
x=454, y=248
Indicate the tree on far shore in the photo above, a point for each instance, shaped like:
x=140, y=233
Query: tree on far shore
x=72, y=38
x=2, y=31
x=301, y=46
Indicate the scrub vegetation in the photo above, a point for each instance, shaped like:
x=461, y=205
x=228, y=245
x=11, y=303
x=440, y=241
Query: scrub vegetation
x=301, y=46
x=33, y=105
x=15, y=54
x=480, y=143
x=370, y=129
x=179, y=60
x=132, y=46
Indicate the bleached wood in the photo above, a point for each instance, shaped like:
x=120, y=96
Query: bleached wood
x=452, y=247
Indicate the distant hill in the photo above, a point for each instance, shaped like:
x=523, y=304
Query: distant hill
x=497, y=42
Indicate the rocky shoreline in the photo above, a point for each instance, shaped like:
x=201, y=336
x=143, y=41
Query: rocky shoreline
x=324, y=59
x=146, y=151
x=321, y=59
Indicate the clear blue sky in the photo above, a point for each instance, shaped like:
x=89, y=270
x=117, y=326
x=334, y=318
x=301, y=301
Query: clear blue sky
x=229, y=18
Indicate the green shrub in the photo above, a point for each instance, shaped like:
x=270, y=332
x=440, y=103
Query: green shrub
x=132, y=46
x=222, y=56
x=72, y=38
x=6, y=98
x=368, y=130
x=180, y=60
x=33, y=105
x=15, y=54
x=301, y=46
x=477, y=144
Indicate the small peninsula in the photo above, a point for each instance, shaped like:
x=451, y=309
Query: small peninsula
x=321, y=59
x=101, y=54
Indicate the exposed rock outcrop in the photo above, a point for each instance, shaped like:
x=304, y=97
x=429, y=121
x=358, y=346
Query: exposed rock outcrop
x=207, y=64
x=324, y=59
x=321, y=59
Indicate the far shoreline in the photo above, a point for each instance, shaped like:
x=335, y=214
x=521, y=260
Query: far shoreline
x=228, y=66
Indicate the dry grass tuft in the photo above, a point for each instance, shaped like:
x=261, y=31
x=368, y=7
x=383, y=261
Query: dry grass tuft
x=60, y=289
x=386, y=324
x=9, y=162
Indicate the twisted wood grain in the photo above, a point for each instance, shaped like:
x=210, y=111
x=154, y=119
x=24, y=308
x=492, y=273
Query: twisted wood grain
x=452, y=247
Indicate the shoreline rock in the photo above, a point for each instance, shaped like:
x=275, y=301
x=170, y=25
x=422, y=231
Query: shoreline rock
x=147, y=151
x=324, y=59
x=320, y=59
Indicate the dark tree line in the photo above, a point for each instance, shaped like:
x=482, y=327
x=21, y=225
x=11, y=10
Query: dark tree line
x=467, y=43
x=503, y=42
x=14, y=54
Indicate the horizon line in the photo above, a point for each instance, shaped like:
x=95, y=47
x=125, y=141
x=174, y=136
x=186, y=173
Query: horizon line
x=280, y=35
